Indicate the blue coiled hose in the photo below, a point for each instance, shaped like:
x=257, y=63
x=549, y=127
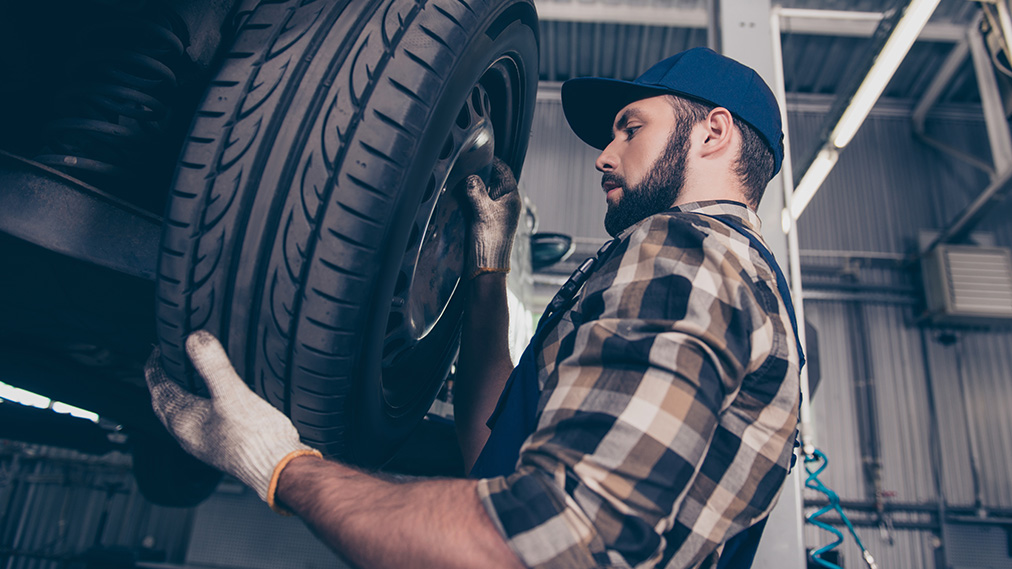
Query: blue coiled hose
x=814, y=465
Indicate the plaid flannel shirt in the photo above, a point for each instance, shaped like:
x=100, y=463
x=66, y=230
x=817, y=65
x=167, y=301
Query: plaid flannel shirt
x=668, y=407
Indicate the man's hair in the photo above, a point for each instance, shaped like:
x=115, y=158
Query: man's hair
x=755, y=159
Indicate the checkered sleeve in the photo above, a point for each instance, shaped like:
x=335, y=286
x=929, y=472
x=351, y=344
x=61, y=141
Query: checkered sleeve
x=661, y=340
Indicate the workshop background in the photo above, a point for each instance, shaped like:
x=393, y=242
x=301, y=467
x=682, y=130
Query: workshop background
x=913, y=410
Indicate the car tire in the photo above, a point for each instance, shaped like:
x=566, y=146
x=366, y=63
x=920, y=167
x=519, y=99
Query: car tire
x=167, y=476
x=314, y=224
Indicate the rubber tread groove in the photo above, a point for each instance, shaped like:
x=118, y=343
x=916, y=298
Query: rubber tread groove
x=332, y=298
x=425, y=64
x=448, y=16
x=391, y=122
x=313, y=237
x=367, y=186
x=339, y=269
x=358, y=215
x=379, y=153
x=350, y=127
x=320, y=352
x=404, y=89
x=326, y=326
x=195, y=243
x=437, y=37
x=350, y=240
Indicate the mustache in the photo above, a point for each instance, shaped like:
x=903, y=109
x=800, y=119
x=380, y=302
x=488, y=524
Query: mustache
x=614, y=179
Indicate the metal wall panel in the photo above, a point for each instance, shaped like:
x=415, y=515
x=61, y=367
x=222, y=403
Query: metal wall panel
x=559, y=177
x=58, y=504
x=909, y=549
x=905, y=418
x=888, y=186
x=981, y=362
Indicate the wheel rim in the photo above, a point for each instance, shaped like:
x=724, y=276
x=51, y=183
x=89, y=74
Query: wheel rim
x=434, y=280
x=425, y=309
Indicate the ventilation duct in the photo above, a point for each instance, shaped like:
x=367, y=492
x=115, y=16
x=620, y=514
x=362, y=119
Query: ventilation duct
x=968, y=285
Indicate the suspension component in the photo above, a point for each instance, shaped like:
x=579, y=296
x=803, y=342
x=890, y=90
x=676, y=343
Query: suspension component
x=112, y=115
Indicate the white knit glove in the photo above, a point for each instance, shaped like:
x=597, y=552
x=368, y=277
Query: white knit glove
x=494, y=216
x=235, y=430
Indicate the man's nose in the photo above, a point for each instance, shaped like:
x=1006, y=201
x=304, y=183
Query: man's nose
x=607, y=160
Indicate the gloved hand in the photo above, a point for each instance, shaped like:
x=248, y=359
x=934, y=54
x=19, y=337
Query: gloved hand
x=494, y=215
x=235, y=430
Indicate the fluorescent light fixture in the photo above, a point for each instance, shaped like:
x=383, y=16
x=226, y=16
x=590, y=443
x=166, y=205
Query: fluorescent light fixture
x=25, y=397
x=812, y=180
x=64, y=409
x=917, y=14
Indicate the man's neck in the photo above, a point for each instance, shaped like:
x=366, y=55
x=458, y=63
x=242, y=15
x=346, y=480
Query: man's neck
x=718, y=192
x=705, y=182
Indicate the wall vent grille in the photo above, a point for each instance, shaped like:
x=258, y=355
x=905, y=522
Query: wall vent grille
x=968, y=285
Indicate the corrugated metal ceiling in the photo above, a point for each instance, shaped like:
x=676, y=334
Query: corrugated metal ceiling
x=621, y=39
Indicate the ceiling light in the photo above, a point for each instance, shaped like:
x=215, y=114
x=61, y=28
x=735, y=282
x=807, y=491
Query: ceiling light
x=65, y=409
x=917, y=14
x=812, y=180
x=27, y=398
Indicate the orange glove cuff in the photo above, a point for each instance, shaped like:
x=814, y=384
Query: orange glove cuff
x=486, y=270
x=273, y=487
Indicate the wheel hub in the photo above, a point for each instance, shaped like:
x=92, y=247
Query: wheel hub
x=438, y=266
x=434, y=260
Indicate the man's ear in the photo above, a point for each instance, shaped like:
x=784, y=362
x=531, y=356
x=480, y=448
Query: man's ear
x=718, y=131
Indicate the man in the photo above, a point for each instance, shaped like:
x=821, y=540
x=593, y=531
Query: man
x=656, y=411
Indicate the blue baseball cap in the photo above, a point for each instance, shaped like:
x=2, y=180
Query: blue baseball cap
x=591, y=103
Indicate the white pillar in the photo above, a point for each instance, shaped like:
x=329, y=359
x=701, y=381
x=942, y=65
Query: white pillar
x=746, y=35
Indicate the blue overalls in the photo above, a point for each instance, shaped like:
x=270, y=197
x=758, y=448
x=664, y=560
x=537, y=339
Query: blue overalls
x=515, y=416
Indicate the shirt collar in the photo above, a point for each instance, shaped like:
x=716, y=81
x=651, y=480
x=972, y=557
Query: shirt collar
x=738, y=210
x=724, y=207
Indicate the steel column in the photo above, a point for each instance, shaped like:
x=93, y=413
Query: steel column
x=994, y=111
x=1000, y=138
x=713, y=25
x=953, y=63
x=747, y=35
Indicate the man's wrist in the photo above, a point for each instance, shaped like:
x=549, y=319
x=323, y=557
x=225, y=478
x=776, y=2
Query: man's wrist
x=486, y=290
x=284, y=465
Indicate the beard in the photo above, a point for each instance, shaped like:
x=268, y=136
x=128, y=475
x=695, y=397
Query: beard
x=657, y=192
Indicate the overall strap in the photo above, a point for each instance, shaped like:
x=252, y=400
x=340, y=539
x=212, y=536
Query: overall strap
x=516, y=413
x=739, y=551
x=782, y=286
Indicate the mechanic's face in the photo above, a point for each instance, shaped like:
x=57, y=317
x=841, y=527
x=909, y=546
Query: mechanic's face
x=644, y=166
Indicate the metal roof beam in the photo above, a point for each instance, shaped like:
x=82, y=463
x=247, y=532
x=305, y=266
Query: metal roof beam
x=953, y=63
x=577, y=11
x=807, y=22
x=991, y=101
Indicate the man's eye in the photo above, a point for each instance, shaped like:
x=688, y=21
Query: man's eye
x=630, y=131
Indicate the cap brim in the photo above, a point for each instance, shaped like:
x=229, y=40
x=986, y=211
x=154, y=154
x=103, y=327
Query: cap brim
x=591, y=103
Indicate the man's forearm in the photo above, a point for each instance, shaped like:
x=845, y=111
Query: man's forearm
x=484, y=364
x=376, y=523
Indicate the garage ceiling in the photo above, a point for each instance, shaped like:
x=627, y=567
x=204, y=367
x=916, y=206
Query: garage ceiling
x=620, y=39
